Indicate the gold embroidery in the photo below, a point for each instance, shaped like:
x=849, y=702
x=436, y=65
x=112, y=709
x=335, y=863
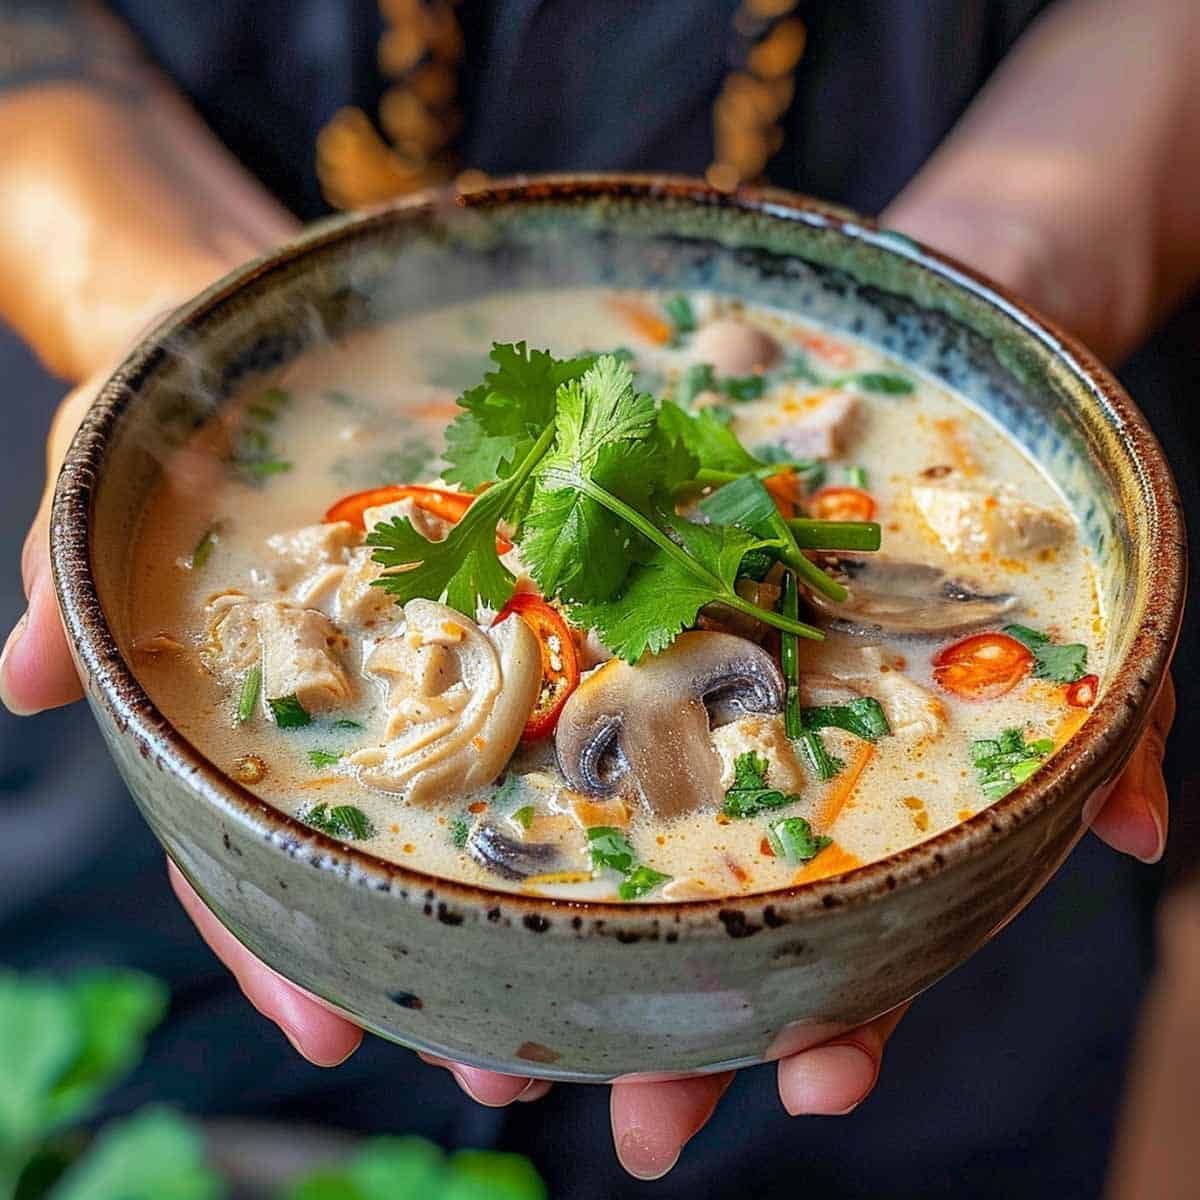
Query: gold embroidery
x=421, y=49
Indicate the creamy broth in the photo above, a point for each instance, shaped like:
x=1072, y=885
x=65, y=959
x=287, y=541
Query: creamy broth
x=951, y=491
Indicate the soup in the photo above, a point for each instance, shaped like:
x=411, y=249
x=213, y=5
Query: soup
x=696, y=599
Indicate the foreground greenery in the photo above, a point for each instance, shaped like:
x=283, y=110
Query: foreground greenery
x=64, y=1044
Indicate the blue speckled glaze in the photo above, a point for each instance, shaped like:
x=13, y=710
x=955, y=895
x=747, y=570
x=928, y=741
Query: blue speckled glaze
x=590, y=992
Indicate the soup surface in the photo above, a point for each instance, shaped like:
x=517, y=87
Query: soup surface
x=707, y=467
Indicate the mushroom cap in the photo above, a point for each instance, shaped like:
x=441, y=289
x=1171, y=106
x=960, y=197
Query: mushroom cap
x=908, y=599
x=644, y=729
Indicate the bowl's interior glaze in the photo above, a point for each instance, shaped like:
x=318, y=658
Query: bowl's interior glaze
x=865, y=283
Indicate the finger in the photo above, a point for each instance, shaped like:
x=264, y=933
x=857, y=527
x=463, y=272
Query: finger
x=320, y=1035
x=835, y=1078
x=652, y=1122
x=1134, y=818
x=490, y=1088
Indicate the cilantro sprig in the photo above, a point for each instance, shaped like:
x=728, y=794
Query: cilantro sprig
x=610, y=848
x=1006, y=761
x=1052, y=660
x=584, y=469
x=749, y=794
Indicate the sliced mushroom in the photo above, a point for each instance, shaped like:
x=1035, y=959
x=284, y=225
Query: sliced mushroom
x=511, y=858
x=458, y=699
x=906, y=599
x=644, y=730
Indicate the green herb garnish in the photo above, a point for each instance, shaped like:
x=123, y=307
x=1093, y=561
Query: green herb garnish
x=807, y=741
x=799, y=366
x=610, y=848
x=792, y=839
x=1007, y=761
x=1060, y=663
x=881, y=382
x=346, y=723
x=681, y=315
x=741, y=388
x=697, y=378
x=862, y=717
x=251, y=685
x=856, y=477
x=749, y=794
x=288, y=712
x=323, y=758
x=640, y=882
x=524, y=816
x=460, y=830
x=344, y=821
x=204, y=547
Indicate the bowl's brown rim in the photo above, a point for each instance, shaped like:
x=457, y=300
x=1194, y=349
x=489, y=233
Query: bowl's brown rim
x=1089, y=760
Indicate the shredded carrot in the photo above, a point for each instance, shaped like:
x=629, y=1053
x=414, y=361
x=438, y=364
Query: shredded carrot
x=836, y=353
x=839, y=797
x=642, y=321
x=833, y=860
x=785, y=491
x=438, y=410
x=1070, y=725
x=737, y=871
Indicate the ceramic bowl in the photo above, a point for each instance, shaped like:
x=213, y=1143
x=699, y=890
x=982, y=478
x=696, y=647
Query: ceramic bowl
x=595, y=991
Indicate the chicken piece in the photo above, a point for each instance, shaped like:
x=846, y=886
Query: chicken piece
x=991, y=517
x=912, y=711
x=298, y=648
x=356, y=601
x=301, y=553
x=764, y=736
x=458, y=700
x=430, y=526
x=820, y=425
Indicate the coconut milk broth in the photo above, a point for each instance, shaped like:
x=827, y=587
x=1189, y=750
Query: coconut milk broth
x=371, y=410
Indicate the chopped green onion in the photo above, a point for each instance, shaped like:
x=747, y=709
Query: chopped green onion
x=812, y=534
x=792, y=838
x=818, y=760
x=856, y=477
x=251, y=684
x=680, y=313
x=288, y=712
x=323, y=758
x=261, y=468
x=204, y=547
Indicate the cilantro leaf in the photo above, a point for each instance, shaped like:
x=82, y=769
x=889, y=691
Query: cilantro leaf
x=792, y=838
x=463, y=568
x=749, y=793
x=323, y=758
x=345, y=821
x=640, y=881
x=503, y=416
x=877, y=381
x=460, y=830
x=697, y=378
x=288, y=712
x=661, y=597
x=1007, y=761
x=862, y=717
x=576, y=547
x=609, y=847
x=710, y=439
x=1052, y=660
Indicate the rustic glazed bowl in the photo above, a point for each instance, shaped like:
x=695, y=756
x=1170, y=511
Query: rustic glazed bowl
x=594, y=991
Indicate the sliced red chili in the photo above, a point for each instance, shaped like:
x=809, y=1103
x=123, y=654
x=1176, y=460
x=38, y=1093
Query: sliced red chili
x=440, y=502
x=842, y=504
x=560, y=664
x=983, y=666
x=1082, y=693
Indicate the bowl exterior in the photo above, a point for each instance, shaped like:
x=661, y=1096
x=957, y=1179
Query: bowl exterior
x=594, y=992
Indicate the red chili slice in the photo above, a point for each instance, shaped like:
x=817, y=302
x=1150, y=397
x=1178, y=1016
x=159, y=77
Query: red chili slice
x=560, y=665
x=842, y=504
x=983, y=666
x=1082, y=693
x=450, y=506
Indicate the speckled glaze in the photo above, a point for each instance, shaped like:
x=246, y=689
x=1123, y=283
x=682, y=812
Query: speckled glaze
x=590, y=991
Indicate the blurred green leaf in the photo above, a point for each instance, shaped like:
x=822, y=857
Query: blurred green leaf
x=502, y=1176
x=155, y=1155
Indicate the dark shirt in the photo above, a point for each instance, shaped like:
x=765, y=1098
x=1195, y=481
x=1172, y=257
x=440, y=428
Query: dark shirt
x=1004, y=1081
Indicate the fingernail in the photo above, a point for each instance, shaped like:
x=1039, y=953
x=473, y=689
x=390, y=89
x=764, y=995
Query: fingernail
x=10, y=644
x=1145, y=836
x=829, y=1081
x=535, y=1089
x=461, y=1080
x=645, y=1156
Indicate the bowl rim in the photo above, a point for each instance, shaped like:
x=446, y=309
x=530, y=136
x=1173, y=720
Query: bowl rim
x=1089, y=760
